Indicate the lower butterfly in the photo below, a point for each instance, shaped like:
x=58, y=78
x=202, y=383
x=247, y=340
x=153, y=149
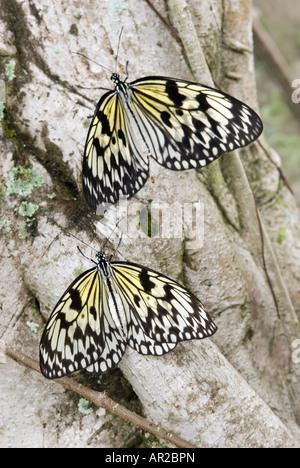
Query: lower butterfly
x=182, y=125
x=115, y=304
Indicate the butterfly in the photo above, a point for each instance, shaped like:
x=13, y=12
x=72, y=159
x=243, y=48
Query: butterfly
x=115, y=304
x=182, y=125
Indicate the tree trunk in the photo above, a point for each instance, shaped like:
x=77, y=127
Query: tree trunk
x=241, y=387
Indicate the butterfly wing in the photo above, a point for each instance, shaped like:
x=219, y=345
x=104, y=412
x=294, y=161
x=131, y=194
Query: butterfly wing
x=114, y=163
x=159, y=311
x=190, y=125
x=81, y=331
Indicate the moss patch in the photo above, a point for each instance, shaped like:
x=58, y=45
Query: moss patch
x=22, y=181
x=281, y=235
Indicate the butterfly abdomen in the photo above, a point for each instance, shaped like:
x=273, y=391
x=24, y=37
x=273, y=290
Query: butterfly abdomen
x=114, y=301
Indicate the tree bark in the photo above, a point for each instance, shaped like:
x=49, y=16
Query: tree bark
x=238, y=389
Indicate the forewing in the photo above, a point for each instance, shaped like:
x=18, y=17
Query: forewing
x=190, y=125
x=114, y=165
x=79, y=332
x=159, y=311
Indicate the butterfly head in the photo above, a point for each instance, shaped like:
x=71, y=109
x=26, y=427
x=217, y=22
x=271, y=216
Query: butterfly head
x=103, y=264
x=101, y=257
x=115, y=78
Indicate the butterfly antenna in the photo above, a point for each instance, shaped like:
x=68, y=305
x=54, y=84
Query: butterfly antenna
x=119, y=243
x=108, y=239
x=110, y=235
x=117, y=55
x=80, y=240
x=126, y=70
x=91, y=60
x=85, y=256
x=80, y=251
x=85, y=243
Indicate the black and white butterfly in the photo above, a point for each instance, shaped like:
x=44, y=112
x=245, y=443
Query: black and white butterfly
x=182, y=125
x=115, y=304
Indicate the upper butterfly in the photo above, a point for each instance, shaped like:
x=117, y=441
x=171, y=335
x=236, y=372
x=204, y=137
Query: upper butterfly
x=182, y=125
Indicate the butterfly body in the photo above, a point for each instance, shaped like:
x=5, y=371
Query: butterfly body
x=114, y=305
x=103, y=267
x=181, y=124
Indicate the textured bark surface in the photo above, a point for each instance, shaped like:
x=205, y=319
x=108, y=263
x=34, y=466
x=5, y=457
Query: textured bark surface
x=239, y=388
